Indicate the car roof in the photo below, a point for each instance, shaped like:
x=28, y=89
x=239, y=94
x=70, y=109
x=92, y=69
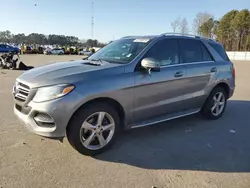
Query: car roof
x=172, y=35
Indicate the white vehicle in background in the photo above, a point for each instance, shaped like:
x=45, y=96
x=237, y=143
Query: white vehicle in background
x=84, y=52
x=54, y=51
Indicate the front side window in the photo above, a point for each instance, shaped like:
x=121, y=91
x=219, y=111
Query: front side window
x=165, y=51
x=121, y=51
x=190, y=50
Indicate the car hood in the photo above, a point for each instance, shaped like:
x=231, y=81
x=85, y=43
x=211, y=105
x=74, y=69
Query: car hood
x=68, y=72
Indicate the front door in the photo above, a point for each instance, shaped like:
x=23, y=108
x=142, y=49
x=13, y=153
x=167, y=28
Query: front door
x=161, y=92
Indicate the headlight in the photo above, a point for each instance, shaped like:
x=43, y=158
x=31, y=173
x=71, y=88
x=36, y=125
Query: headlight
x=52, y=92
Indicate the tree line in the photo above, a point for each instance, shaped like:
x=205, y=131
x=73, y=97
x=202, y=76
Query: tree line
x=232, y=29
x=41, y=39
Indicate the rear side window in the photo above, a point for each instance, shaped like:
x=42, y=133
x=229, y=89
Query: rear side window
x=220, y=50
x=190, y=50
x=205, y=54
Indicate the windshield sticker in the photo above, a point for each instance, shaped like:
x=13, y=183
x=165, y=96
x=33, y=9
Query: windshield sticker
x=141, y=40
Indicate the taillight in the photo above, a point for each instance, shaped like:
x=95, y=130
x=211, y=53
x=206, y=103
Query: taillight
x=234, y=72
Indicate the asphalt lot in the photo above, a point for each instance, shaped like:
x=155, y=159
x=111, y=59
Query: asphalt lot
x=189, y=152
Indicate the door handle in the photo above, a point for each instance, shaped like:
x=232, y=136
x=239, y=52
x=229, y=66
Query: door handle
x=214, y=69
x=178, y=74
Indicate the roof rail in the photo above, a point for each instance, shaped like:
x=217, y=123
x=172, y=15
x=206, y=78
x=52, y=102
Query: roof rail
x=128, y=37
x=125, y=37
x=186, y=35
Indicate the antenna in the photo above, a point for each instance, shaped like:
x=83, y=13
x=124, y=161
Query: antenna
x=92, y=20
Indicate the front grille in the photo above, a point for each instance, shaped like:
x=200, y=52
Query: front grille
x=21, y=92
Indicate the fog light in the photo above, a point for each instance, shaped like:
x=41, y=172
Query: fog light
x=44, y=120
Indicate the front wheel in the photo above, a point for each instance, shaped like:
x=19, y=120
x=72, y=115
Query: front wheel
x=93, y=129
x=215, y=104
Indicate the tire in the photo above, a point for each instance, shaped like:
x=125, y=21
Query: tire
x=74, y=129
x=209, y=108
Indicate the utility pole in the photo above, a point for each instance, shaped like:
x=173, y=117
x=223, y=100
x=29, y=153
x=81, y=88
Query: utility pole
x=34, y=17
x=92, y=20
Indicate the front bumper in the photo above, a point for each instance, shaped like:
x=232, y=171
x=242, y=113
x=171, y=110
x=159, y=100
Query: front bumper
x=60, y=111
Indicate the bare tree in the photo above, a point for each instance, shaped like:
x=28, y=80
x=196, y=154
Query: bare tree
x=184, y=26
x=199, y=20
x=175, y=24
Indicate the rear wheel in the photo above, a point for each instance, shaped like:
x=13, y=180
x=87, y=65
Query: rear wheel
x=215, y=104
x=93, y=129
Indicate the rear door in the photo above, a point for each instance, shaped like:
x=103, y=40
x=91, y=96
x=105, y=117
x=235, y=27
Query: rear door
x=201, y=72
x=161, y=93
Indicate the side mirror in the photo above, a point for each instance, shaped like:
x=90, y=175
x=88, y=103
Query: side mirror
x=150, y=64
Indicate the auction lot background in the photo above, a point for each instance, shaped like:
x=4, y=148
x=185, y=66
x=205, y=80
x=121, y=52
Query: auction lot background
x=189, y=152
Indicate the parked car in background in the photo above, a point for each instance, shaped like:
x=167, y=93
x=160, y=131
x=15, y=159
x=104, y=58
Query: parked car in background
x=84, y=52
x=47, y=51
x=5, y=48
x=130, y=83
x=54, y=51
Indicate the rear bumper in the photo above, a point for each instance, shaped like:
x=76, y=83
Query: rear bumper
x=231, y=87
x=231, y=92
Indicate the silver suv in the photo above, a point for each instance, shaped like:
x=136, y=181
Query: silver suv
x=132, y=82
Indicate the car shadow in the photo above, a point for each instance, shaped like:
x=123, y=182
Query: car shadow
x=190, y=143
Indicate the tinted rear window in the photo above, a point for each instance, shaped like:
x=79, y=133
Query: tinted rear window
x=220, y=50
x=190, y=50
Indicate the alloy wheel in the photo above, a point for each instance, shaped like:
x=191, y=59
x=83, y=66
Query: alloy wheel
x=218, y=103
x=97, y=130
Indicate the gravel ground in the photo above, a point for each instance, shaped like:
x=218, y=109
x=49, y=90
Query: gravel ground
x=189, y=152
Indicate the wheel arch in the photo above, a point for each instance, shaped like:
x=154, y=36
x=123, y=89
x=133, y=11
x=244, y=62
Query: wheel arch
x=107, y=100
x=224, y=86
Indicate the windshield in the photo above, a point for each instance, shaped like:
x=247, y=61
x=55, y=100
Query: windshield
x=121, y=51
